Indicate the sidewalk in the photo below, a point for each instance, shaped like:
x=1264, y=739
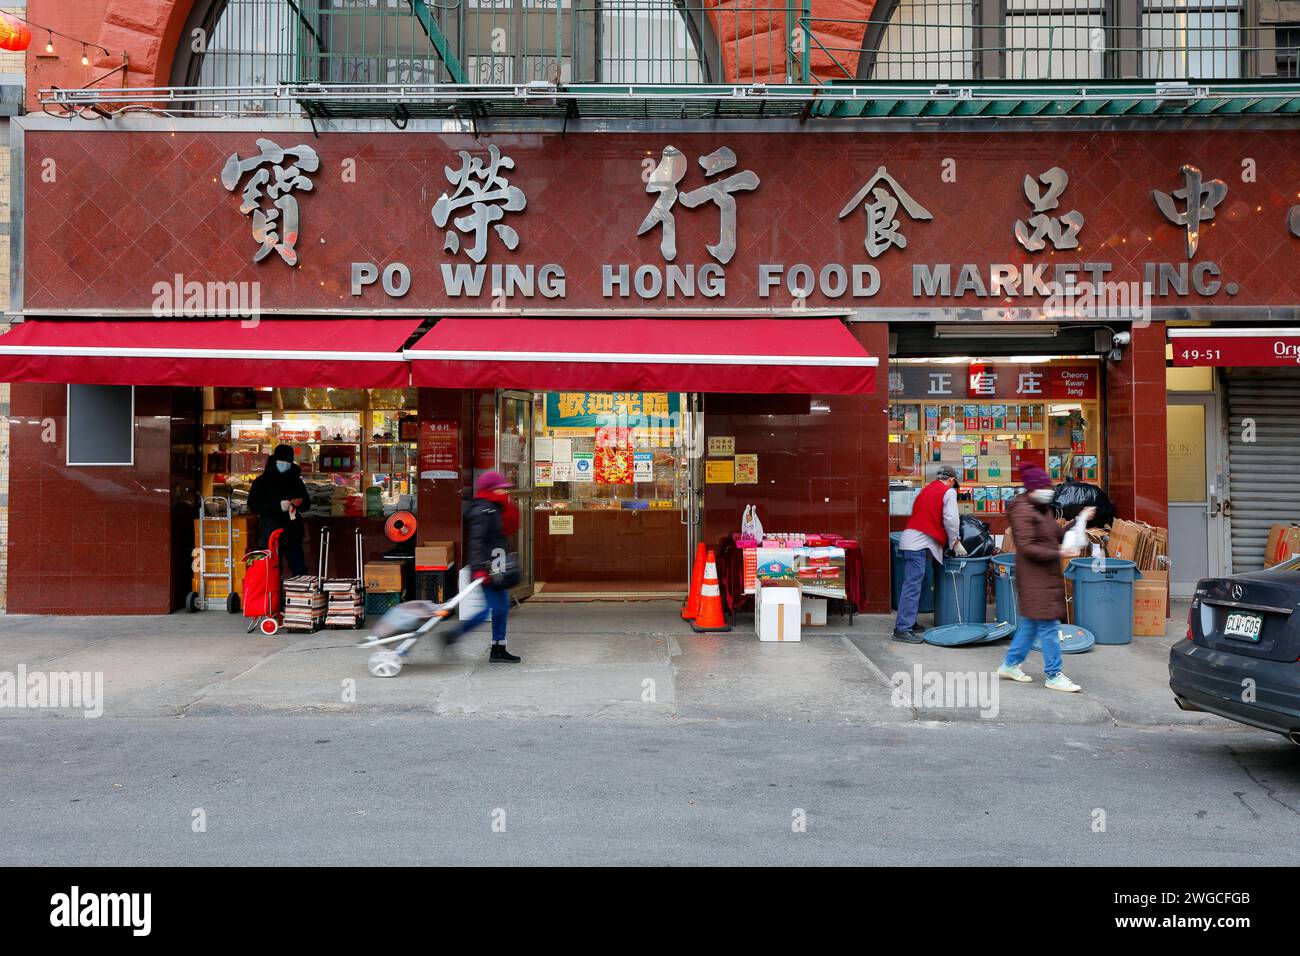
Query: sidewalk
x=624, y=660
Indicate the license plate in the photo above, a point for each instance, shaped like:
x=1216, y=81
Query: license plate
x=1243, y=626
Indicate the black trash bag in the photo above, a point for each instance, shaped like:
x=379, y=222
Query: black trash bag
x=1073, y=496
x=975, y=538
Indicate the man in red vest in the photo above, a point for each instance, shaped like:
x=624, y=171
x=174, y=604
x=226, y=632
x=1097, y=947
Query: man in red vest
x=932, y=528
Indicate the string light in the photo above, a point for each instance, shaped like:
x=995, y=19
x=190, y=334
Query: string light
x=51, y=33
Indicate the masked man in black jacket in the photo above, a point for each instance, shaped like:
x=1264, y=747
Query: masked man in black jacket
x=278, y=498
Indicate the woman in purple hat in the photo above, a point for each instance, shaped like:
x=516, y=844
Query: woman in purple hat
x=1040, y=586
x=491, y=520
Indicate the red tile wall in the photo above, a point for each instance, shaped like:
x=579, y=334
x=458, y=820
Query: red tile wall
x=1136, y=450
x=817, y=471
x=89, y=540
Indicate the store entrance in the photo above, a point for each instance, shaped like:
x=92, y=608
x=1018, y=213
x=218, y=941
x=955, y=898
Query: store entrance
x=611, y=500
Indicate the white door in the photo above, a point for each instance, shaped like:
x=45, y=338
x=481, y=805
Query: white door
x=1195, y=509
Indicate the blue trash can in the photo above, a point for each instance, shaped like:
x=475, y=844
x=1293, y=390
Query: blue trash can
x=1004, y=588
x=896, y=577
x=961, y=591
x=1103, y=597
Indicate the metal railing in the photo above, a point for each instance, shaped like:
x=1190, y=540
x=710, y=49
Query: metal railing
x=376, y=57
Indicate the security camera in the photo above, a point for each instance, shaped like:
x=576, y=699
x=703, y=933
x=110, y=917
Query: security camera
x=1121, y=339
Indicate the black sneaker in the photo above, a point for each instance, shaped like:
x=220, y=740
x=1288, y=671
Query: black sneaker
x=500, y=655
x=918, y=628
x=908, y=637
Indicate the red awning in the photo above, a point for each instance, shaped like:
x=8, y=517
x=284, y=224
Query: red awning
x=1236, y=346
x=317, y=352
x=816, y=356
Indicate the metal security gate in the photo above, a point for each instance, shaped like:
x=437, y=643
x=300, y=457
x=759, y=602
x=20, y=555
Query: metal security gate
x=1263, y=460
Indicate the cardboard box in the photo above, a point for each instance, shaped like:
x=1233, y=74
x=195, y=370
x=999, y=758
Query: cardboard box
x=435, y=556
x=383, y=575
x=813, y=610
x=777, y=610
x=1150, y=604
x=1283, y=543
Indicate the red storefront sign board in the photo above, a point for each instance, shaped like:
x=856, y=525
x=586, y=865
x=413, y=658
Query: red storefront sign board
x=440, y=446
x=994, y=381
x=1281, y=349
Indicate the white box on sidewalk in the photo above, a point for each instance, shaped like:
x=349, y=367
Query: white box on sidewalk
x=813, y=611
x=776, y=610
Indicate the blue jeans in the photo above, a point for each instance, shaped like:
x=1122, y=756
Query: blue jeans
x=1048, y=633
x=909, y=598
x=498, y=605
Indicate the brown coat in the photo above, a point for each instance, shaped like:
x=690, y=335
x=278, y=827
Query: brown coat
x=1040, y=588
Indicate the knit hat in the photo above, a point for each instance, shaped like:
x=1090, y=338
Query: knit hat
x=283, y=453
x=1033, y=478
x=490, y=480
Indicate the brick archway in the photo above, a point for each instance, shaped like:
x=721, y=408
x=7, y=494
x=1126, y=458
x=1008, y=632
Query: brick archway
x=751, y=37
x=149, y=31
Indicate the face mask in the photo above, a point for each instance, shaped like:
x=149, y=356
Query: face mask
x=1043, y=495
x=283, y=466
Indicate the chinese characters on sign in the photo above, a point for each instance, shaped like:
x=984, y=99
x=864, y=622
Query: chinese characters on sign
x=881, y=206
x=992, y=381
x=664, y=181
x=477, y=204
x=275, y=228
x=489, y=197
x=1199, y=200
x=1061, y=231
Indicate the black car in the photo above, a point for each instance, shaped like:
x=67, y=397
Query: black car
x=1241, y=659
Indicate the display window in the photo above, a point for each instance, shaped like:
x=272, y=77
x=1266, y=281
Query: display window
x=608, y=450
x=358, y=448
x=987, y=419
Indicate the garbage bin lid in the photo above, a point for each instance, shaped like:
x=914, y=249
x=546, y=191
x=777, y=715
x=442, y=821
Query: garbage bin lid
x=953, y=635
x=1076, y=639
x=998, y=631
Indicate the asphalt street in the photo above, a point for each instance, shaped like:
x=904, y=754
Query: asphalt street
x=421, y=789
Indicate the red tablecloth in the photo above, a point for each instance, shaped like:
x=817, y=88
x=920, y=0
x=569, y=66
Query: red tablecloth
x=731, y=575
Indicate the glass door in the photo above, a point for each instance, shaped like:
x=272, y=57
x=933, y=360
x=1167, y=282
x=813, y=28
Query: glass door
x=515, y=461
x=693, y=464
x=1195, y=511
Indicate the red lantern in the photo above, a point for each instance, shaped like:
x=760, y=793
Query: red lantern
x=14, y=34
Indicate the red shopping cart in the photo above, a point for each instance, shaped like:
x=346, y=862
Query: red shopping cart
x=262, y=586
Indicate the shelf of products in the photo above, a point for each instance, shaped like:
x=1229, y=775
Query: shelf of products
x=988, y=440
x=604, y=451
x=357, y=447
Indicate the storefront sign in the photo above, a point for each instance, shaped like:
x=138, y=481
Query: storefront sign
x=1260, y=350
x=559, y=221
x=560, y=524
x=581, y=412
x=720, y=471
x=992, y=380
x=722, y=446
x=440, y=446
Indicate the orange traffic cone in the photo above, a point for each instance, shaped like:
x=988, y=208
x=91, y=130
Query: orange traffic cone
x=692, y=606
x=710, y=617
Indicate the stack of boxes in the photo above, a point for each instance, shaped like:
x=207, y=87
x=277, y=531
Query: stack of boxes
x=384, y=585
